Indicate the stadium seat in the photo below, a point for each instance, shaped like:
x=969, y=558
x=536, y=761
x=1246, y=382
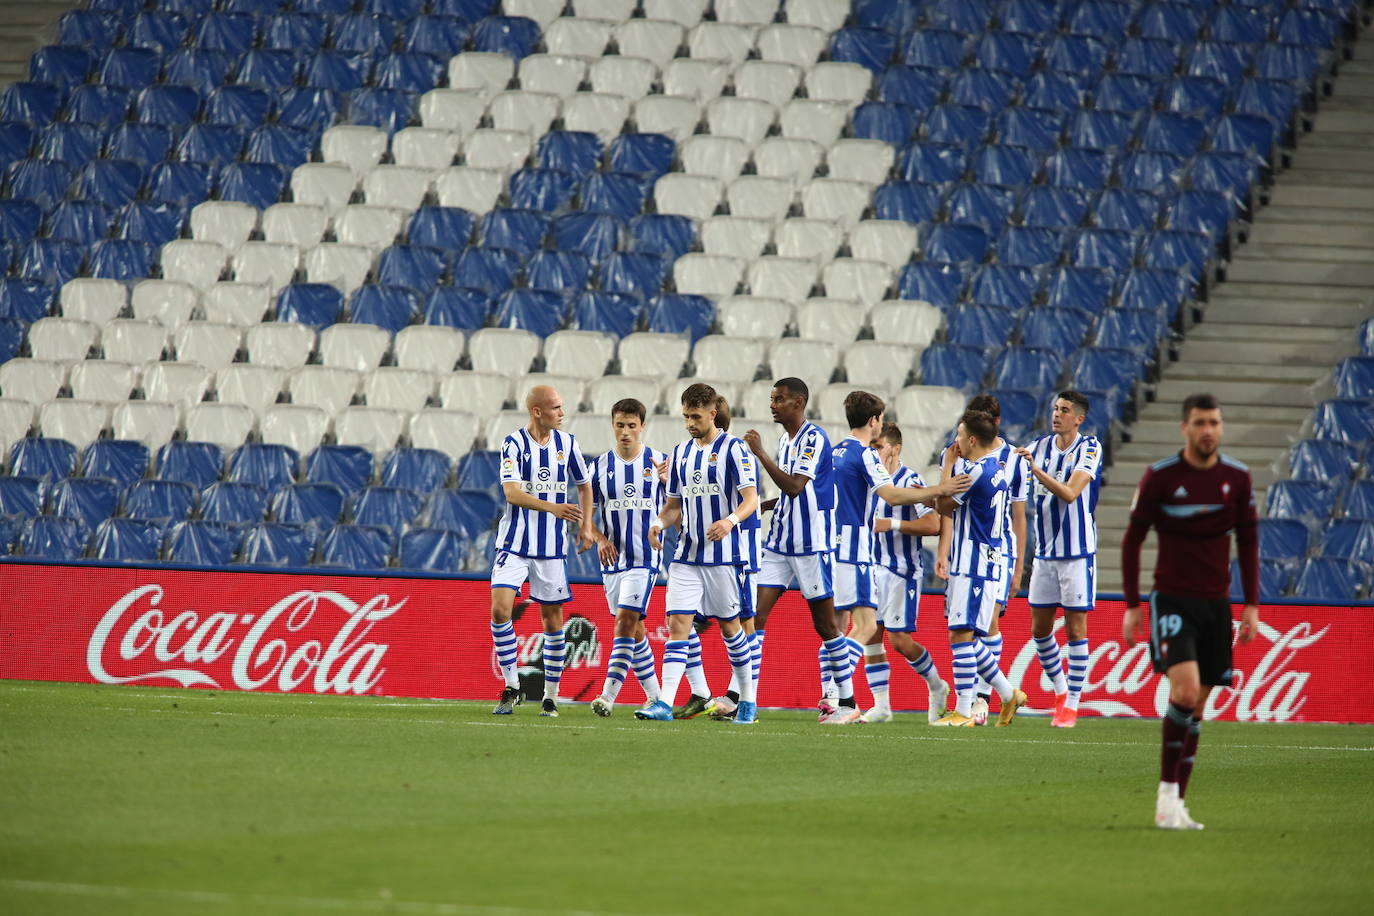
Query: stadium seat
x=89, y=500
x=127, y=540
x=1283, y=539
x=1302, y=499
x=753, y=316
x=387, y=508
x=202, y=543
x=353, y=547
x=659, y=356
x=77, y=422
x=196, y=463
x=1359, y=502
x=122, y=461
x=604, y=393
x=1317, y=459
x=432, y=550
x=268, y=465
x=158, y=500
x=421, y=470
x=452, y=432
x=1348, y=538
x=53, y=538
x=1331, y=579
x=280, y=344
x=1349, y=421
x=317, y=504
x=397, y=389
x=233, y=503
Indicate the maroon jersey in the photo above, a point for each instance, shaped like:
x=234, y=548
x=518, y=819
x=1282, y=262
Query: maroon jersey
x=1194, y=511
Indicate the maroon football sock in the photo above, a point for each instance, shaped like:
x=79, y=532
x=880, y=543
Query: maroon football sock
x=1185, y=762
x=1176, y=721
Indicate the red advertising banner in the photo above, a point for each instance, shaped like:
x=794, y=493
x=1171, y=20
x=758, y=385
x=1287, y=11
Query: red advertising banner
x=428, y=637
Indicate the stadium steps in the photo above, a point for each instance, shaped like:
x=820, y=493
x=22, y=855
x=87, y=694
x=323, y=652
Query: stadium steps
x=24, y=28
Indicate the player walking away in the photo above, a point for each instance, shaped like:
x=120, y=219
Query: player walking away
x=628, y=485
x=859, y=478
x=801, y=538
x=538, y=462
x=898, y=575
x=1014, y=535
x=1194, y=500
x=1066, y=466
x=712, y=488
x=977, y=568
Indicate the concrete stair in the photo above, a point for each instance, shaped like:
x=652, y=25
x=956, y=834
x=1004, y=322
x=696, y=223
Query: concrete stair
x=1285, y=314
x=25, y=26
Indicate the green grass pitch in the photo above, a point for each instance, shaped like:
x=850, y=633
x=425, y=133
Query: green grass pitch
x=149, y=801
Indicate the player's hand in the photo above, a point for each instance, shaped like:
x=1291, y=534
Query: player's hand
x=952, y=485
x=1249, y=623
x=768, y=505
x=1023, y=452
x=942, y=567
x=719, y=530
x=1130, y=626
x=882, y=525
x=662, y=468
x=606, y=552
x=587, y=538
x=569, y=512
x=655, y=537
x=754, y=441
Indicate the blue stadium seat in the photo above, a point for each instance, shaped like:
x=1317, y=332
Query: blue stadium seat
x=1238, y=24
x=180, y=182
x=1103, y=128
x=74, y=144
x=953, y=366
x=1208, y=212
x=347, y=466
x=1359, y=502
x=61, y=65
x=127, y=540
x=90, y=28
x=1350, y=421
x=418, y=470
x=1272, y=99
x=389, y=109
x=1147, y=288
x=545, y=190
x=1147, y=170
x=1283, y=538
x=959, y=124
x=940, y=284
x=114, y=182
x=1318, y=459
x=1219, y=60
x=170, y=105
x=1331, y=579
x=1129, y=211
x=515, y=230
x=1084, y=169
x=1286, y=62
x=1198, y=95
x=1184, y=251
x=1276, y=578
x=309, y=108
x=120, y=460
x=1309, y=499
x=283, y=146
x=1354, y=377
x=1020, y=413
x=678, y=313
x=1137, y=330
x=938, y=48
x=512, y=35
x=492, y=270
x=533, y=310
x=212, y=144
x=1054, y=92
x=89, y=500
x=258, y=184
x=954, y=244
x=315, y=304
x=908, y=201
x=233, y=502
x=34, y=103
x=45, y=458
x=295, y=31
x=912, y=89
x=389, y=508
x=130, y=68
x=432, y=550
x=1007, y=166
x=53, y=538
x=158, y=499
x=891, y=122
x=469, y=511
x=1053, y=208
x=21, y=495
x=278, y=544
x=1171, y=132
x=663, y=234
x=1251, y=134
x=1003, y=286
x=480, y=470
x=233, y=33
x=12, y=332
x=1349, y=539
x=1082, y=55
x=44, y=183
x=268, y=466
x=202, y=543
x=121, y=259
x=1108, y=370
x=1111, y=249
x=1313, y=28
x=443, y=36
x=318, y=504
x=199, y=69
x=241, y=106
x=989, y=89
x=983, y=326
x=411, y=71
x=267, y=68
x=650, y=155
x=609, y=313
x=26, y=300
x=1055, y=328
x=50, y=259
x=556, y=271
x=16, y=139
x=361, y=33
x=441, y=227
x=1100, y=18
x=1029, y=16
x=638, y=273
x=142, y=143
x=872, y=48
x=1027, y=368
x=163, y=32
x=389, y=307
x=577, y=153
x=353, y=547
x=618, y=194
x=457, y=307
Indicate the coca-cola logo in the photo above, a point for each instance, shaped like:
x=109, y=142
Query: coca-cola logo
x=282, y=648
x=1270, y=691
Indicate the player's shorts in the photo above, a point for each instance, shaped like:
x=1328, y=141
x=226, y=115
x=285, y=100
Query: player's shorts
x=1004, y=595
x=748, y=595
x=548, y=578
x=629, y=589
x=1070, y=584
x=711, y=591
x=899, y=600
x=970, y=602
x=810, y=573
x=1192, y=630
x=853, y=586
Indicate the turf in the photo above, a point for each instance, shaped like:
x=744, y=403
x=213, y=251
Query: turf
x=132, y=800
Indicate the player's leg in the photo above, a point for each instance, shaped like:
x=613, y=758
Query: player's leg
x=508, y=575
x=722, y=603
x=1012, y=698
x=700, y=697
x=1176, y=651
x=643, y=661
x=724, y=706
x=1078, y=587
x=992, y=641
x=899, y=610
x=684, y=597
x=627, y=593
x=961, y=618
x=549, y=587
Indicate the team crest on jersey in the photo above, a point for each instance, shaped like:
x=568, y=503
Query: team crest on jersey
x=560, y=457
x=1225, y=490
x=712, y=458
x=648, y=473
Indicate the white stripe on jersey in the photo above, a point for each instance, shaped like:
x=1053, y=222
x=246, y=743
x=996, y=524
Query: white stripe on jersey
x=805, y=523
x=858, y=474
x=630, y=497
x=979, y=522
x=898, y=552
x=551, y=472
x=708, y=481
x=1067, y=531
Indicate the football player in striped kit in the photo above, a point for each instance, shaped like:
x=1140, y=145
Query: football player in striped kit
x=628, y=487
x=539, y=462
x=1067, y=469
x=977, y=566
x=712, y=488
x=898, y=576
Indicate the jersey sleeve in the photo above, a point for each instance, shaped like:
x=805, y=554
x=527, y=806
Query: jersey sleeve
x=1090, y=459
x=743, y=462
x=577, y=465
x=1019, y=490
x=809, y=455
x=919, y=510
x=511, y=469
x=975, y=474
x=674, y=478
x=874, y=470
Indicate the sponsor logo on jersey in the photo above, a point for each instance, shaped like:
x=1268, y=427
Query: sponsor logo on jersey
x=1181, y=493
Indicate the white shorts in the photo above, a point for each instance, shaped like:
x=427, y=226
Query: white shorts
x=629, y=589
x=970, y=603
x=1070, y=584
x=899, y=600
x=810, y=573
x=1004, y=594
x=711, y=591
x=853, y=586
x=548, y=578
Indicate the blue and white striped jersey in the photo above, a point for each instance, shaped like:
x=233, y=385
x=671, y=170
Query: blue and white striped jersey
x=900, y=553
x=630, y=496
x=978, y=548
x=805, y=523
x=1018, y=488
x=858, y=474
x=1067, y=531
x=551, y=472
x=708, y=481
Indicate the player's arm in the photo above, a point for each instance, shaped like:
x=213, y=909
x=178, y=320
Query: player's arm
x=1018, y=528
x=925, y=526
x=789, y=484
x=1142, y=517
x=516, y=496
x=748, y=505
x=670, y=515
x=587, y=533
x=1069, y=490
x=910, y=496
x=1247, y=552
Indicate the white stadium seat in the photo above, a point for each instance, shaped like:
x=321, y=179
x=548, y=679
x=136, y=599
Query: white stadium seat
x=197, y=263
x=475, y=190
x=503, y=150
x=226, y=425
x=227, y=222
x=577, y=37
x=850, y=278
x=828, y=403
x=343, y=266
x=428, y=148
x=735, y=359
x=656, y=40
x=879, y=366
x=323, y=184
x=297, y=426
x=735, y=236
x=755, y=404
x=457, y=110
x=808, y=359
x=760, y=198
x=722, y=40
x=32, y=380
x=153, y=423
x=570, y=389
x=208, y=343
x=746, y=12
x=843, y=202
x=890, y=241
x=284, y=344
x=430, y=348
x=330, y=388
x=559, y=74
x=182, y=384
x=685, y=13
x=272, y=264
x=131, y=340
x=708, y=274
x=913, y=323
x=594, y=433
x=791, y=44
x=721, y=158
x=356, y=146
x=603, y=114
x=827, y=15
x=16, y=417
x=506, y=351
x=788, y=279
x=932, y=406
x=482, y=393
x=868, y=161
x=79, y=422
x=653, y=355
x=672, y=396
x=838, y=82
x=747, y=119
x=353, y=346
x=697, y=78
x=401, y=186
x=753, y=316
x=628, y=77
x=298, y=224
x=374, y=428
x=814, y=239
x=773, y=82
x=398, y=389
x=368, y=227
x=582, y=354
x=64, y=339
x=603, y=393
x=453, y=432
x=239, y=304
x=672, y=115
x=486, y=72
x=502, y=424
x=93, y=300
x=103, y=380
x=544, y=12
x=165, y=301
x=694, y=196
x=252, y=386
x=525, y=112
x=793, y=158
x=814, y=120
x=615, y=10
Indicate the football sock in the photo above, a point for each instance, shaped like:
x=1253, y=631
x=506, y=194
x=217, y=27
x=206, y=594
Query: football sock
x=987, y=668
x=696, y=675
x=644, y=669
x=1078, y=671
x=1177, y=721
x=756, y=653
x=827, y=674
x=674, y=664
x=555, y=651
x=878, y=673
x=925, y=667
x=737, y=648
x=965, y=676
x=1047, y=647
x=841, y=668
x=622, y=650
x=994, y=646
x=1185, y=762
x=503, y=636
